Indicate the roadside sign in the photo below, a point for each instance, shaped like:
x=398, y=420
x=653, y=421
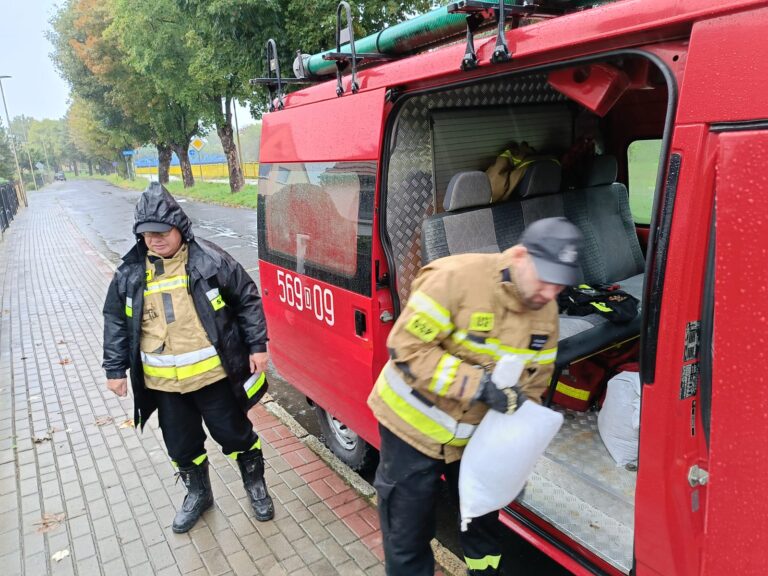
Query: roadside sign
x=197, y=143
x=127, y=152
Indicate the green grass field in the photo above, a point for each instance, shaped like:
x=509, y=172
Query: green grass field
x=643, y=158
x=212, y=192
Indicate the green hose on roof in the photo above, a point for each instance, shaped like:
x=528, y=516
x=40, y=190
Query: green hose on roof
x=425, y=30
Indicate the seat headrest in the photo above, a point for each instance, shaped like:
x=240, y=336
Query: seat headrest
x=604, y=170
x=467, y=189
x=542, y=177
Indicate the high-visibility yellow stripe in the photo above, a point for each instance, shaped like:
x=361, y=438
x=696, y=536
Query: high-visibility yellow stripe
x=546, y=356
x=428, y=420
x=129, y=307
x=256, y=446
x=166, y=285
x=495, y=349
x=420, y=302
x=197, y=368
x=196, y=461
x=182, y=372
x=483, y=563
x=572, y=392
x=254, y=384
x=602, y=307
x=445, y=374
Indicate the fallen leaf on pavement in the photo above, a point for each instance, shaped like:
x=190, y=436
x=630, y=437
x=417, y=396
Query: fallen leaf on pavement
x=101, y=420
x=65, y=361
x=40, y=439
x=60, y=555
x=61, y=342
x=50, y=522
x=128, y=424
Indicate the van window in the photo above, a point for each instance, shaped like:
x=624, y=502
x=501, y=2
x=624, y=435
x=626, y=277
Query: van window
x=643, y=163
x=317, y=220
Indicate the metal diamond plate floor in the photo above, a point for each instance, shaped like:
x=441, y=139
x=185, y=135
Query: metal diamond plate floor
x=578, y=488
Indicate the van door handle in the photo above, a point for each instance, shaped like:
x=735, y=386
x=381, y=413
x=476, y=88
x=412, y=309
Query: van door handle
x=360, y=323
x=697, y=476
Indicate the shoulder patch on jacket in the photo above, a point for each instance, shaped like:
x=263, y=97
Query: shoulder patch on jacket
x=423, y=327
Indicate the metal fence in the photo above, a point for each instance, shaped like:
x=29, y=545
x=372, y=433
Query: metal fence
x=9, y=204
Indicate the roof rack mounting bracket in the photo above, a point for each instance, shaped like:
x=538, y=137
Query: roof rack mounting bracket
x=478, y=13
x=352, y=58
x=274, y=82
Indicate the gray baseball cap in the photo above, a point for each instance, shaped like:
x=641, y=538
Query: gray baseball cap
x=554, y=245
x=152, y=227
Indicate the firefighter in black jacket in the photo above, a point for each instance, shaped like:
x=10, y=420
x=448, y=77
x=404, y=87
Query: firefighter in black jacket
x=187, y=320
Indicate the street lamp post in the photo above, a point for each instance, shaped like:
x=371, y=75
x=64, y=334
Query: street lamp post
x=13, y=144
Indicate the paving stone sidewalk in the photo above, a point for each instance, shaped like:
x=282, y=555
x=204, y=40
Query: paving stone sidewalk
x=75, y=476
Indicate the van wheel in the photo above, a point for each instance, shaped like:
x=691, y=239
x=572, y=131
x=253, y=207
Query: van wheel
x=344, y=442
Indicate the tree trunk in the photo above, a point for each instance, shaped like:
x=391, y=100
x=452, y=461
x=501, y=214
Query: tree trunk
x=164, y=155
x=77, y=171
x=90, y=168
x=226, y=135
x=182, y=153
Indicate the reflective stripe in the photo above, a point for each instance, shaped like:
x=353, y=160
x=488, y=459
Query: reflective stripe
x=429, y=420
x=129, y=306
x=445, y=374
x=254, y=384
x=572, y=392
x=256, y=446
x=164, y=285
x=494, y=348
x=182, y=372
x=197, y=461
x=483, y=563
x=179, y=359
x=420, y=302
x=546, y=356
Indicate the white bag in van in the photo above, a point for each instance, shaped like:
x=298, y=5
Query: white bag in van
x=619, y=419
x=501, y=455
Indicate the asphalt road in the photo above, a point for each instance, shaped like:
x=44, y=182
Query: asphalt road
x=104, y=214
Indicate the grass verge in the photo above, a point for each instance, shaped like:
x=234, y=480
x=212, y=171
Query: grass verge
x=211, y=192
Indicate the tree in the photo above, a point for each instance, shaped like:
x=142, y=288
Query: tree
x=93, y=57
x=7, y=165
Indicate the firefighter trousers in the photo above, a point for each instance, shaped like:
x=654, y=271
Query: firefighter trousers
x=181, y=421
x=408, y=483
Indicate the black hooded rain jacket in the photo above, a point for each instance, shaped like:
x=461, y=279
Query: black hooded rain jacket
x=236, y=329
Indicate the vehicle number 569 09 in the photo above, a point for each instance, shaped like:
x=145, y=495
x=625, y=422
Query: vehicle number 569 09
x=313, y=298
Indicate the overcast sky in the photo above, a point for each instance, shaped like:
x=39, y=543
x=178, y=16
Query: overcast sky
x=36, y=89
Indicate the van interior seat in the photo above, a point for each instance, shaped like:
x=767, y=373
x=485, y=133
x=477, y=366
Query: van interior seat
x=610, y=254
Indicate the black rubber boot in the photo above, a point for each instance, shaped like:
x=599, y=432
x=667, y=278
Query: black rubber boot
x=198, y=499
x=252, y=468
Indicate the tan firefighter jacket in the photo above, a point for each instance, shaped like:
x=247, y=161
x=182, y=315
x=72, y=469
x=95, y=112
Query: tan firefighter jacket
x=462, y=316
x=176, y=353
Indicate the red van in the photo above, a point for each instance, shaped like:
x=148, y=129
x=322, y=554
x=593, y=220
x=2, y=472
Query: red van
x=669, y=101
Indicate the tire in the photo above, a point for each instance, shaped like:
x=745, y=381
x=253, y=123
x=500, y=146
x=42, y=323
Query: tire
x=344, y=442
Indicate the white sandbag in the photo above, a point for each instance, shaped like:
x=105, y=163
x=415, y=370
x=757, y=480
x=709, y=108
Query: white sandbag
x=619, y=419
x=501, y=455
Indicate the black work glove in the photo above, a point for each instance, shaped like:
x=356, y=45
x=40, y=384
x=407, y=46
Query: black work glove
x=506, y=400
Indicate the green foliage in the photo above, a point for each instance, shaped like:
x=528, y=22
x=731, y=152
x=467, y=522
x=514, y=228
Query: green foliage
x=7, y=165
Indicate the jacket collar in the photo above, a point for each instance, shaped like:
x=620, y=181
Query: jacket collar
x=506, y=289
x=202, y=258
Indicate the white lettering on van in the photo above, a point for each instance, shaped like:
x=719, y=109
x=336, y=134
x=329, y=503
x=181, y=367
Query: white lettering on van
x=313, y=298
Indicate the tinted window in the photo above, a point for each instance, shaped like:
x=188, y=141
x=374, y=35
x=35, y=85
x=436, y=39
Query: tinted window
x=316, y=219
x=643, y=162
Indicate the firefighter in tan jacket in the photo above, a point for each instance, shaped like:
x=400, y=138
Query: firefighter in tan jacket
x=465, y=313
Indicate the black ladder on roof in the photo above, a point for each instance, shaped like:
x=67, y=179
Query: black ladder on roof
x=275, y=83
